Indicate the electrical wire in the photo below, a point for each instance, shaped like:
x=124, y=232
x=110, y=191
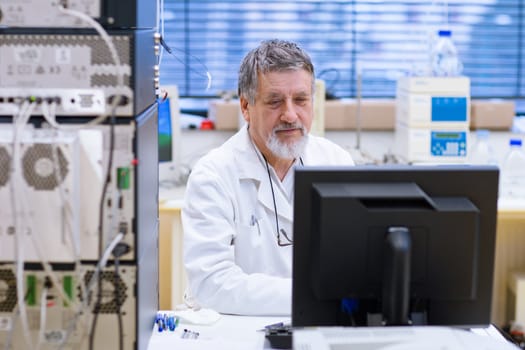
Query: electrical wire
x=96, y=277
x=90, y=283
x=67, y=211
x=43, y=316
x=333, y=82
x=38, y=247
x=118, y=304
x=100, y=231
x=16, y=314
x=19, y=193
x=15, y=187
x=74, y=237
x=49, y=116
x=22, y=119
x=120, y=85
x=23, y=198
x=169, y=50
x=160, y=28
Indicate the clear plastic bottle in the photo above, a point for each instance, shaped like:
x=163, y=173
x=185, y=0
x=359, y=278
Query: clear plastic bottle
x=481, y=151
x=445, y=60
x=512, y=174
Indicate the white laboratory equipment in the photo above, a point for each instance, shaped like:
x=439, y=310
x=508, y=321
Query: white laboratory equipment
x=431, y=145
x=437, y=101
x=432, y=119
x=512, y=177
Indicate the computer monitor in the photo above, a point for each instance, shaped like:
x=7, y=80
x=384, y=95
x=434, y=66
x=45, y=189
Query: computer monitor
x=394, y=245
x=169, y=135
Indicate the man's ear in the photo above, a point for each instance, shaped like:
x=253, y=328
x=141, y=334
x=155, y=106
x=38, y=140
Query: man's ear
x=244, y=109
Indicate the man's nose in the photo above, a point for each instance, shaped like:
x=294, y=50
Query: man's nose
x=289, y=114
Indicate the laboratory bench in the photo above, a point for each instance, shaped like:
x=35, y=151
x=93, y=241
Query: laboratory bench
x=509, y=255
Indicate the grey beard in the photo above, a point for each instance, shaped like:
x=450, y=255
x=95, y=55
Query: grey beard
x=287, y=151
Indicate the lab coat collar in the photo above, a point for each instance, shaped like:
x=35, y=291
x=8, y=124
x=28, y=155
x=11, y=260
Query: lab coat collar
x=251, y=166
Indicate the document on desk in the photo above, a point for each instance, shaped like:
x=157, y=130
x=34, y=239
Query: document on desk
x=395, y=338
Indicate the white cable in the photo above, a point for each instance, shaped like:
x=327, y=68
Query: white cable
x=65, y=204
x=18, y=123
x=75, y=239
x=160, y=22
x=114, y=55
x=120, y=74
x=104, y=260
x=23, y=195
x=100, y=266
x=50, y=117
x=48, y=112
x=43, y=316
x=20, y=197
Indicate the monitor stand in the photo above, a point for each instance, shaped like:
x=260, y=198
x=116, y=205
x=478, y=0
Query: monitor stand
x=396, y=282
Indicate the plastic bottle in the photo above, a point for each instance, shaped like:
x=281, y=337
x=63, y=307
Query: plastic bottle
x=445, y=60
x=482, y=152
x=512, y=174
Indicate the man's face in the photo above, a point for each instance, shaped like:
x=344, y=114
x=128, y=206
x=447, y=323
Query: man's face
x=282, y=114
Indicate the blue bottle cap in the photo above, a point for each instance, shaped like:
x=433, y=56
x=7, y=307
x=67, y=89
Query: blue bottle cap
x=447, y=33
x=515, y=142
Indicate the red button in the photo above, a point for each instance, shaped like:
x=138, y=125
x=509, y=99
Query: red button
x=207, y=125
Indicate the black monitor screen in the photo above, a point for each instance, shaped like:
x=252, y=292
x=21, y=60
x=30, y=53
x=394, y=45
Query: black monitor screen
x=394, y=245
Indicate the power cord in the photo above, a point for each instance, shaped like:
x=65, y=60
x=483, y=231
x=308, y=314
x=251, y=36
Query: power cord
x=118, y=251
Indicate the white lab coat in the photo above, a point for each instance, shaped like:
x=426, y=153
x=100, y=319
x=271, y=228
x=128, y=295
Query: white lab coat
x=232, y=259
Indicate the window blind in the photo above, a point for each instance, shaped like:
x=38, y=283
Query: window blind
x=376, y=41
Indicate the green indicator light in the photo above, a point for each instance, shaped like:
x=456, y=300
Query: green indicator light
x=123, y=178
x=68, y=288
x=31, y=290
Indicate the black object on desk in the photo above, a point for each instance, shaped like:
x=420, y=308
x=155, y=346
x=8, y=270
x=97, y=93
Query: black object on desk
x=279, y=337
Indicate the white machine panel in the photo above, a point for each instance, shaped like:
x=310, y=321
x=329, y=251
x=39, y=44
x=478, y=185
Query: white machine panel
x=433, y=101
x=60, y=213
x=66, y=321
x=45, y=191
x=40, y=61
x=119, y=205
x=45, y=13
x=82, y=102
x=438, y=145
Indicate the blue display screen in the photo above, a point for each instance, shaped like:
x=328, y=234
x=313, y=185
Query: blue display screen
x=448, y=144
x=165, y=135
x=449, y=109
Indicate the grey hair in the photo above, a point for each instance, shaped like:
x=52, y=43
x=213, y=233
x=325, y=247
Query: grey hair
x=270, y=56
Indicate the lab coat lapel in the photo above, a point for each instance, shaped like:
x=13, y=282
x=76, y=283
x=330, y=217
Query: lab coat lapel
x=251, y=169
x=264, y=196
x=256, y=171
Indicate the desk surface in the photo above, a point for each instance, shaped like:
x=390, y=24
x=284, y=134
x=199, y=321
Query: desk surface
x=239, y=332
x=229, y=333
